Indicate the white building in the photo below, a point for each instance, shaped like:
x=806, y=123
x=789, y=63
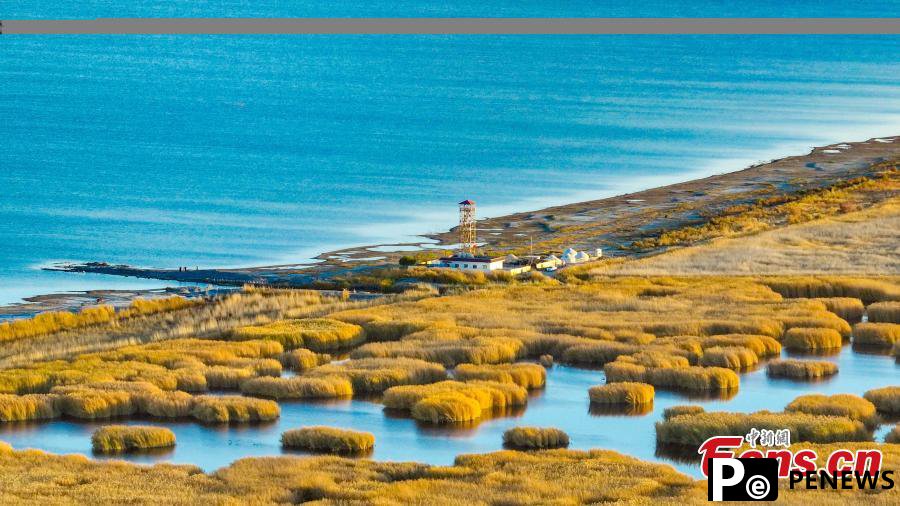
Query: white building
x=471, y=263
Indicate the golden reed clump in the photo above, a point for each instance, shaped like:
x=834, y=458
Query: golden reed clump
x=630, y=393
x=375, y=375
x=228, y=409
x=694, y=429
x=876, y=334
x=15, y=408
x=884, y=312
x=886, y=399
x=847, y=405
x=812, y=339
x=674, y=411
x=302, y=359
x=535, y=438
x=316, y=334
x=328, y=440
x=131, y=438
x=299, y=387
x=800, y=369
x=454, y=401
x=525, y=375
x=730, y=357
x=847, y=308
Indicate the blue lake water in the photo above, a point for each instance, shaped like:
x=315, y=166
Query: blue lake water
x=563, y=403
x=226, y=151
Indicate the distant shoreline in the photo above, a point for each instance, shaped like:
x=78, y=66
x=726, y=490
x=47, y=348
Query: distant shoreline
x=611, y=223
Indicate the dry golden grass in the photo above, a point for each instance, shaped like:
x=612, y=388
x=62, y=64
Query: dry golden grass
x=674, y=411
x=375, y=375
x=847, y=405
x=299, y=387
x=893, y=436
x=886, y=399
x=811, y=339
x=210, y=319
x=14, y=408
x=302, y=359
x=730, y=357
x=525, y=375
x=328, y=440
x=847, y=308
x=535, y=438
x=316, y=334
x=540, y=477
x=694, y=429
x=801, y=369
x=228, y=409
x=698, y=379
x=130, y=438
x=55, y=321
x=876, y=334
x=884, y=312
x=622, y=393
x=762, y=346
x=454, y=401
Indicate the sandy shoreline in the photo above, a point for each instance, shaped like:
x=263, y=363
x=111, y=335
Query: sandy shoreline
x=609, y=223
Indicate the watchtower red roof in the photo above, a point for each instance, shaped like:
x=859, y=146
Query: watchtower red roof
x=467, y=202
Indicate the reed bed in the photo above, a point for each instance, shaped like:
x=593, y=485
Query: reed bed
x=598, y=354
x=629, y=393
x=893, y=437
x=657, y=358
x=375, y=375
x=488, y=394
x=89, y=404
x=876, y=334
x=811, y=339
x=447, y=407
x=450, y=353
x=544, y=477
x=15, y=408
x=729, y=357
x=762, y=346
x=300, y=387
x=166, y=404
x=535, y=438
x=884, y=312
x=847, y=308
x=131, y=438
x=689, y=409
x=228, y=409
x=328, y=440
x=221, y=377
x=529, y=376
x=55, y=321
x=454, y=401
x=698, y=379
x=846, y=405
x=886, y=399
x=824, y=320
x=316, y=334
x=302, y=359
x=694, y=429
x=801, y=369
x=867, y=290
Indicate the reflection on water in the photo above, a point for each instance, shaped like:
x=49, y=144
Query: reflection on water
x=563, y=404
